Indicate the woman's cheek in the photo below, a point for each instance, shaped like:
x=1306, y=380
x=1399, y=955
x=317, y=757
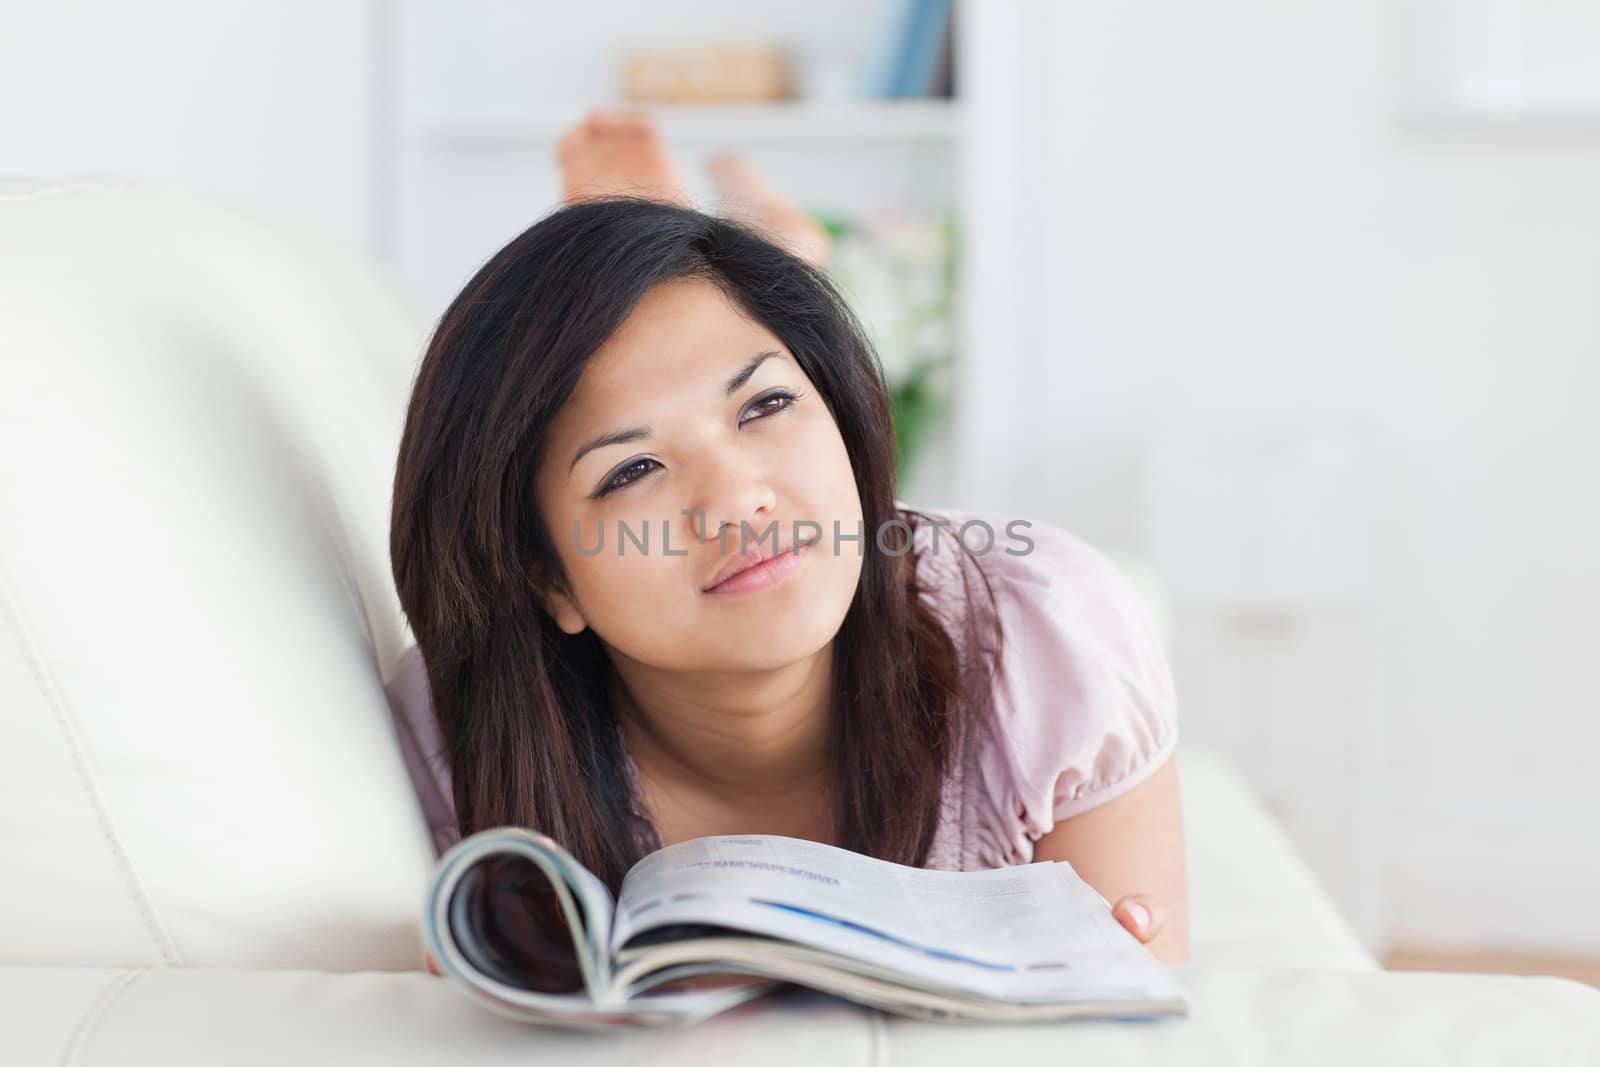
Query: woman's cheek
x=635, y=598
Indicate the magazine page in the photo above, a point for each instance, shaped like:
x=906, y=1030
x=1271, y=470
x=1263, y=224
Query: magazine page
x=506, y=902
x=488, y=940
x=1035, y=932
x=514, y=920
x=580, y=1011
x=863, y=983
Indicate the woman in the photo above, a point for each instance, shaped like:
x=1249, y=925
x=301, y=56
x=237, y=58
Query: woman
x=645, y=533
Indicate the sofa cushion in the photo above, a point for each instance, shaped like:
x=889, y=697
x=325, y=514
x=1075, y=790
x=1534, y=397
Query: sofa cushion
x=1285, y=1017
x=198, y=420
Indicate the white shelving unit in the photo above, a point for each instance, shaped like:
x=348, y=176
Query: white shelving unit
x=878, y=121
x=481, y=94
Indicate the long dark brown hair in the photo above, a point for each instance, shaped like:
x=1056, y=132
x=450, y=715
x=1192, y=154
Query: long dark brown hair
x=522, y=706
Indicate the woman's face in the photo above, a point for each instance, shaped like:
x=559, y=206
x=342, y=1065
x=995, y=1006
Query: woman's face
x=713, y=440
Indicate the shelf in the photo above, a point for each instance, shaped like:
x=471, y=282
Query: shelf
x=912, y=119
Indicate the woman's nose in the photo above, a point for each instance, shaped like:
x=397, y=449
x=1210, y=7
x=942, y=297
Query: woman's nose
x=735, y=497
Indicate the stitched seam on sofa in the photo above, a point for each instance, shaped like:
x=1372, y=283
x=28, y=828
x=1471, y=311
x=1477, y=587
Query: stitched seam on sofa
x=102, y=1003
x=877, y=1039
x=119, y=855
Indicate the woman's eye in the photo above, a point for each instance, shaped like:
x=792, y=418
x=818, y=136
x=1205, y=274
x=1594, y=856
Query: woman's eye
x=771, y=404
x=626, y=476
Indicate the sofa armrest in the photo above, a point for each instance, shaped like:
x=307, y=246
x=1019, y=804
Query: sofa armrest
x=1253, y=900
x=195, y=1016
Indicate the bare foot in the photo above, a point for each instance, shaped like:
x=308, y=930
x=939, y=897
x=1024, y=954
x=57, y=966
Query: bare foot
x=621, y=152
x=748, y=197
x=614, y=153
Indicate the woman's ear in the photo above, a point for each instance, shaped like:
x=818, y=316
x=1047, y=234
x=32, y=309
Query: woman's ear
x=561, y=607
x=565, y=611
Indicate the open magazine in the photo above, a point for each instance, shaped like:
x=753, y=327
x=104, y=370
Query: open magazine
x=704, y=925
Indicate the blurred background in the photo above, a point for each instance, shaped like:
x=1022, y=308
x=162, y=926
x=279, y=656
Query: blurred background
x=1297, y=305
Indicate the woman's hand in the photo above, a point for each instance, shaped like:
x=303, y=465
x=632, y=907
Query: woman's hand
x=1141, y=915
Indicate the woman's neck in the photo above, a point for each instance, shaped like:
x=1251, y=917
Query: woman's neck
x=745, y=738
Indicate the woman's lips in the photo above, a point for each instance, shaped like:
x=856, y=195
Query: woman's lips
x=764, y=575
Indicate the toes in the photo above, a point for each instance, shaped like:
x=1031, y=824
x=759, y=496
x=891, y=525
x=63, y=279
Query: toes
x=636, y=121
x=621, y=122
x=571, y=140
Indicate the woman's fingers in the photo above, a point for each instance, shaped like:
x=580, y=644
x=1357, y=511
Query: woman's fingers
x=1140, y=914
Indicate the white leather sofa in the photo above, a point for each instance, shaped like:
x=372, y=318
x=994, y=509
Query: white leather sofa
x=211, y=850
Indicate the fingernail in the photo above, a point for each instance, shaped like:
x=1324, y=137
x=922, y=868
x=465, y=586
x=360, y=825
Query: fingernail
x=1140, y=916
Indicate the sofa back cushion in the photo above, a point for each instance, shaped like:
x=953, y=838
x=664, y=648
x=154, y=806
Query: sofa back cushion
x=199, y=416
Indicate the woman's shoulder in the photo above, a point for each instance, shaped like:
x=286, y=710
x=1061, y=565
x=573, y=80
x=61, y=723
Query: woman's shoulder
x=1080, y=706
x=1033, y=566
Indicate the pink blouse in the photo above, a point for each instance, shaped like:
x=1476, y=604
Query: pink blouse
x=1080, y=711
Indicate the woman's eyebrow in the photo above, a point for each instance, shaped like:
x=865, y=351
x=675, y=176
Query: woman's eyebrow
x=738, y=380
x=640, y=433
x=615, y=437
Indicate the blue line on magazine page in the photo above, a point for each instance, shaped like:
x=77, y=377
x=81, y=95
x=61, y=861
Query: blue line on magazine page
x=928, y=949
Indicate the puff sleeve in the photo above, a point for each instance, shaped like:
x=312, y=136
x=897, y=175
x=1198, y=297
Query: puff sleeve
x=1083, y=705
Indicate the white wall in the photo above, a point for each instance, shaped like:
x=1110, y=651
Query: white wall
x=269, y=105
x=1243, y=226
